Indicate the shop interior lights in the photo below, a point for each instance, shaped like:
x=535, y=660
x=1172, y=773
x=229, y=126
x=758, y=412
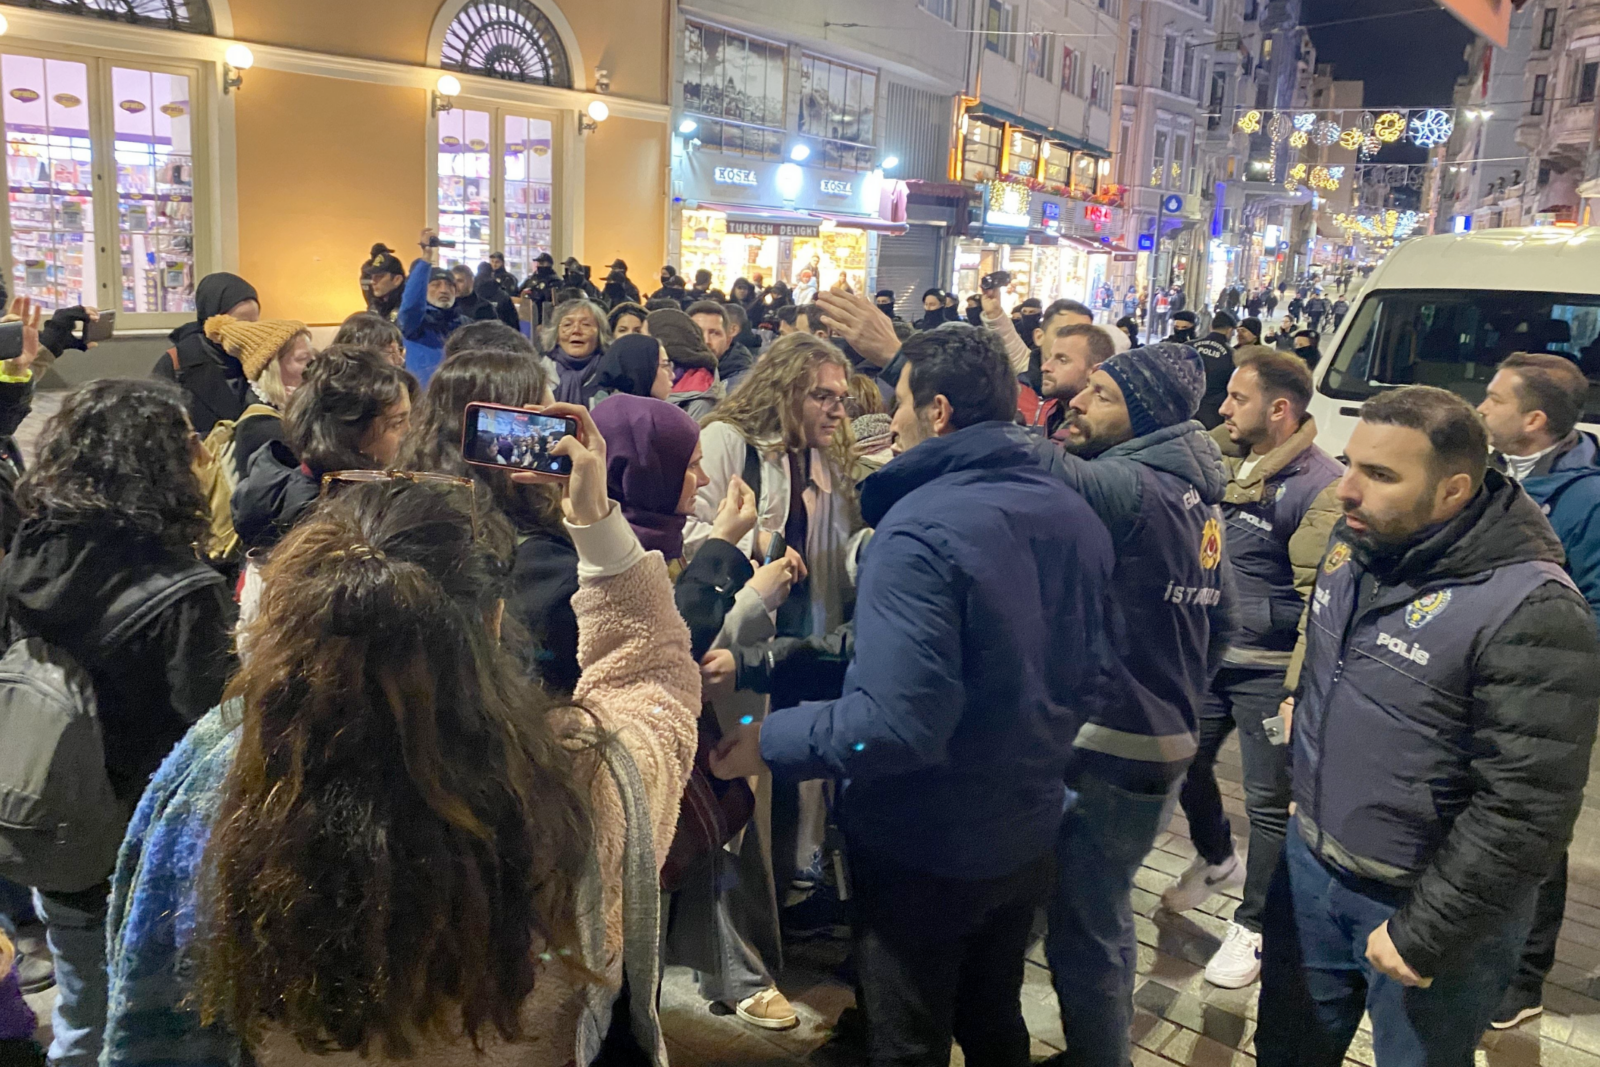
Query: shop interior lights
x=235, y=61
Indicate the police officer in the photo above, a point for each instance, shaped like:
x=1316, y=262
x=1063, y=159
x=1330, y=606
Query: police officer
x=1446, y=712
x=1155, y=478
x=1280, y=507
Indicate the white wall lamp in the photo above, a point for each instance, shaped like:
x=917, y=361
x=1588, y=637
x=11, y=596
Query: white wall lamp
x=235, y=61
x=590, y=118
x=445, y=93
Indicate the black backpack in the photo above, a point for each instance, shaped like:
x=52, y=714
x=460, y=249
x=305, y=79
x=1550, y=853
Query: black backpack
x=60, y=822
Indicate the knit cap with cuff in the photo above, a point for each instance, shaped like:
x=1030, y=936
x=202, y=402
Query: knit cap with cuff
x=253, y=344
x=1161, y=383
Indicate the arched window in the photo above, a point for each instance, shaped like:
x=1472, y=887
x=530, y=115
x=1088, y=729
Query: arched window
x=509, y=39
x=189, y=16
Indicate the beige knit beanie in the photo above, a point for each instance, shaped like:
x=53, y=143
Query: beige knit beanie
x=253, y=344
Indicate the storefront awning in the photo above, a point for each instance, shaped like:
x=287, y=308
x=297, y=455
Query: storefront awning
x=859, y=222
x=1094, y=248
x=1047, y=132
x=762, y=221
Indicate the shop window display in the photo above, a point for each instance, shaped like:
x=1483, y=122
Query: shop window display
x=122, y=237
x=735, y=86
x=50, y=173
x=529, y=192
x=465, y=185
x=806, y=263
x=837, y=106
x=155, y=190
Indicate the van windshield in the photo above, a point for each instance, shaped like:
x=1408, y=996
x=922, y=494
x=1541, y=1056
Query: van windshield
x=1455, y=338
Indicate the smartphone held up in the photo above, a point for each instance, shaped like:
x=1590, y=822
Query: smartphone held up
x=516, y=439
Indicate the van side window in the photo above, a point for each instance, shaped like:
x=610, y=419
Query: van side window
x=1455, y=339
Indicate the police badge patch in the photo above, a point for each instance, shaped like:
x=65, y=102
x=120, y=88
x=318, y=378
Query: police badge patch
x=1210, y=545
x=1426, y=607
x=1338, y=556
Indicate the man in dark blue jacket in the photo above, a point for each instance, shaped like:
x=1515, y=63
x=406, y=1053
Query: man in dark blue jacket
x=1531, y=410
x=1155, y=478
x=1441, y=734
x=427, y=314
x=980, y=645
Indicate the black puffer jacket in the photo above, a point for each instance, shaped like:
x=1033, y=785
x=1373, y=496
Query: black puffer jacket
x=61, y=578
x=272, y=496
x=544, y=576
x=1457, y=775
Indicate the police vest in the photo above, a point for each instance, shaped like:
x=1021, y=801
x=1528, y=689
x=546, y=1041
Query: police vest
x=1383, y=729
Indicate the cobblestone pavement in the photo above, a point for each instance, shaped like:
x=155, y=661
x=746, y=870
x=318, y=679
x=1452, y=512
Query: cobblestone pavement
x=1179, y=1018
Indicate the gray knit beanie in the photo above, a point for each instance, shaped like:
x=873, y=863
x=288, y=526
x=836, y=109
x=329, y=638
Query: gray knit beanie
x=1162, y=384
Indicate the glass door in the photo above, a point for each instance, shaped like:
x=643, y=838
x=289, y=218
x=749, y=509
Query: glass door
x=151, y=117
x=529, y=187
x=50, y=179
x=494, y=165
x=78, y=232
x=466, y=189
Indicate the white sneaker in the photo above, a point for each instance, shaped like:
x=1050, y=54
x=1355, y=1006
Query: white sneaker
x=1202, y=879
x=1238, y=962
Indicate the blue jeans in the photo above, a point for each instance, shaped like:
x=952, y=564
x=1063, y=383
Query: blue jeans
x=75, y=927
x=1091, y=944
x=1316, y=981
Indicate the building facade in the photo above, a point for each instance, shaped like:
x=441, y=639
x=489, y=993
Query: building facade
x=143, y=155
x=1033, y=151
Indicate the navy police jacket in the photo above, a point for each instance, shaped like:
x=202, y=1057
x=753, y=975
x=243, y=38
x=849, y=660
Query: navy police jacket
x=1171, y=596
x=1446, y=711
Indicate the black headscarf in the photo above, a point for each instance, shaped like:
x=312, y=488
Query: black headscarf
x=217, y=294
x=630, y=365
x=220, y=293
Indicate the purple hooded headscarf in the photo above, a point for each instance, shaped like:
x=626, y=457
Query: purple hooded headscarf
x=649, y=444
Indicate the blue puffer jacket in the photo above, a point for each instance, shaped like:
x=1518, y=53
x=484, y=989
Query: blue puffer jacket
x=980, y=644
x=1569, y=495
x=1172, y=591
x=424, y=326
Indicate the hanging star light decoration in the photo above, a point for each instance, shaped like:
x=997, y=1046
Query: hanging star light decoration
x=1298, y=172
x=1298, y=139
x=1431, y=128
x=1351, y=139
x=1250, y=121
x=1389, y=127
x=1304, y=121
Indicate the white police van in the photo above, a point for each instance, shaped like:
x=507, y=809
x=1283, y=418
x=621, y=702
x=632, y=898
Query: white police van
x=1445, y=311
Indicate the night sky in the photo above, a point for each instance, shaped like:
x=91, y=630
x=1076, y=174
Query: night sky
x=1406, y=60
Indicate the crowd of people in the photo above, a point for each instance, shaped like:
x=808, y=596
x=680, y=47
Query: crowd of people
x=341, y=745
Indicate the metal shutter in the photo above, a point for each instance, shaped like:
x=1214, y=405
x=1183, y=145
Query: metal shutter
x=910, y=265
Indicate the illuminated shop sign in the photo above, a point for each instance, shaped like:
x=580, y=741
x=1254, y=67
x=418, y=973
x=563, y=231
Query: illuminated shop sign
x=733, y=176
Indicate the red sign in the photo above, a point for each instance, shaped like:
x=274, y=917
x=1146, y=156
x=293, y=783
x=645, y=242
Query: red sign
x=1488, y=18
x=1097, y=214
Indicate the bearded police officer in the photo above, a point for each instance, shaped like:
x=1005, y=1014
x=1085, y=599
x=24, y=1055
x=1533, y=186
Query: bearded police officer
x=1446, y=712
